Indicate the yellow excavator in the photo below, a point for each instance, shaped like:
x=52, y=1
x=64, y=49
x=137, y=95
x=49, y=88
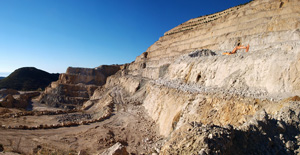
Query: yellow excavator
x=237, y=48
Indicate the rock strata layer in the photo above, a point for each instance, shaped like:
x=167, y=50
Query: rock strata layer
x=203, y=102
x=76, y=86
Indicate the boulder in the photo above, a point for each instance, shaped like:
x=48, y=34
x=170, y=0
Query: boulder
x=116, y=149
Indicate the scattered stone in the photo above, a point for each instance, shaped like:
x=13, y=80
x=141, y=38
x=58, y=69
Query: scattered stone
x=73, y=117
x=82, y=152
x=116, y=149
x=289, y=145
x=202, y=152
x=202, y=52
x=281, y=127
x=210, y=136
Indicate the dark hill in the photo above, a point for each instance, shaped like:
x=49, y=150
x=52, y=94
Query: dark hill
x=28, y=78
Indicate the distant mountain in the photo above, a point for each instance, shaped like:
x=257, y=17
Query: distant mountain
x=28, y=78
x=2, y=78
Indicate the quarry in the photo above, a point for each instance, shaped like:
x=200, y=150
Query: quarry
x=181, y=96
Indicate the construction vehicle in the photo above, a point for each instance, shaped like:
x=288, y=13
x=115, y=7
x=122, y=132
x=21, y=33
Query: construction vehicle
x=237, y=48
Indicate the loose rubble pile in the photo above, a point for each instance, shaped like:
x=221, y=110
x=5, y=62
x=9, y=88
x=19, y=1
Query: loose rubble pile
x=203, y=52
x=261, y=134
x=64, y=120
x=13, y=99
x=36, y=113
x=73, y=117
x=55, y=126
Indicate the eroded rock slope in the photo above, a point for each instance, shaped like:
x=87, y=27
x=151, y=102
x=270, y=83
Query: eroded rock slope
x=184, y=78
x=200, y=101
x=76, y=86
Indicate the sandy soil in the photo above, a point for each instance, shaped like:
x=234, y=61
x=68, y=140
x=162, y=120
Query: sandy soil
x=127, y=126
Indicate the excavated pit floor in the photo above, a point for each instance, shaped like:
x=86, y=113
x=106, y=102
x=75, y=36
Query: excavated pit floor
x=127, y=125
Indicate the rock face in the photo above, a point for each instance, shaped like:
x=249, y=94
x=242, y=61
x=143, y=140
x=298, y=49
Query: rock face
x=86, y=76
x=184, y=77
x=12, y=100
x=201, y=101
x=185, y=68
x=271, y=28
x=76, y=86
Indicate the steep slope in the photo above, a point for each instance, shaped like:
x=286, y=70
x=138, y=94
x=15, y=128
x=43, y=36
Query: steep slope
x=28, y=78
x=184, y=78
x=271, y=28
x=182, y=96
x=76, y=86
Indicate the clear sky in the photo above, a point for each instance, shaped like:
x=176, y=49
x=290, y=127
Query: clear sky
x=54, y=34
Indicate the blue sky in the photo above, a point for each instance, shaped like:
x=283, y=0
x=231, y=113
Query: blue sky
x=54, y=34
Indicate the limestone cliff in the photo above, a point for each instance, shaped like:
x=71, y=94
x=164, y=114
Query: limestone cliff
x=175, y=71
x=178, y=82
x=76, y=86
x=188, y=87
x=271, y=28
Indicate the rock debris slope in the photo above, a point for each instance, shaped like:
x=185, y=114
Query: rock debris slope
x=184, y=78
x=195, y=100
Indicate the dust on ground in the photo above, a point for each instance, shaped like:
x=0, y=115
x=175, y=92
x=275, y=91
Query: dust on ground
x=128, y=125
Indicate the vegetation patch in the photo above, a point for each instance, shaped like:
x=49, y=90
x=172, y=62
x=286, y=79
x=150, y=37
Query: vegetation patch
x=28, y=79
